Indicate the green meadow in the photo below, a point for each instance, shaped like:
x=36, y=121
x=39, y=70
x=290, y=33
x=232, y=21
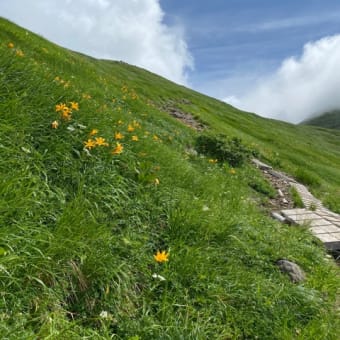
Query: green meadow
x=117, y=221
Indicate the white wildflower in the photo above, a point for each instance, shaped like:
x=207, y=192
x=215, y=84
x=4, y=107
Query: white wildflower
x=104, y=314
x=159, y=277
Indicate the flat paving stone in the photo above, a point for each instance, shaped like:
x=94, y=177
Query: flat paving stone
x=331, y=237
x=304, y=217
x=320, y=223
x=325, y=229
x=295, y=211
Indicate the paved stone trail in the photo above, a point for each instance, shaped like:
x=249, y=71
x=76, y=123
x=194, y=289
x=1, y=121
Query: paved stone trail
x=323, y=223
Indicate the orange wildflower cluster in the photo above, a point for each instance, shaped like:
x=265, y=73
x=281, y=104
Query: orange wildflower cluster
x=132, y=94
x=63, y=82
x=92, y=143
x=86, y=96
x=66, y=111
x=19, y=53
x=118, y=136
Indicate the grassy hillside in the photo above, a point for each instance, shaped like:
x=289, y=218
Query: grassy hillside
x=96, y=178
x=329, y=120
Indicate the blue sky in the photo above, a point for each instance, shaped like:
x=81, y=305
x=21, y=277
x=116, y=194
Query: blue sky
x=279, y=59
x=233, y=42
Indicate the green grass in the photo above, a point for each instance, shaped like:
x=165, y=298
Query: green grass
x=298, y=203
x=79, y=228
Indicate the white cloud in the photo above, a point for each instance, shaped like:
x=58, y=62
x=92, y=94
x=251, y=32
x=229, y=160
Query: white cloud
x=128, y=30
x=290, y=22
x=302, y=87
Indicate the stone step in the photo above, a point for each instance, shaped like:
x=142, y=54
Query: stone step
x=330, y=240
x=326, y=231
x=323, y=223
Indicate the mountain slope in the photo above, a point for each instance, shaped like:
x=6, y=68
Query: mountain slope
x=329, y=120
x=97, y=176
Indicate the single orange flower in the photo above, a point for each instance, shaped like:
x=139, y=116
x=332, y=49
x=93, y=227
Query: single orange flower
x=94, y=132
x=55, y=124
x=61, y=107
x=118, y=149
x=118, y=136
x=101, y=141
x=161, y=256
x=74, y=106
x=89, y=144
x=130, y=128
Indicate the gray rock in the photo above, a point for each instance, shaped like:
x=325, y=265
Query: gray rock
x=278, y=217
x=294, y=272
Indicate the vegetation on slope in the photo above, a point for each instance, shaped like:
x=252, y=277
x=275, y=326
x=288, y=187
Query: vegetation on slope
x=328, y=120
x=96, y=178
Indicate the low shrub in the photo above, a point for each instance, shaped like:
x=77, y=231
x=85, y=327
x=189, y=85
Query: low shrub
x=223, y=148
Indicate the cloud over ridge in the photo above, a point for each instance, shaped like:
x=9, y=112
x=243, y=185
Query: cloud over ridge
x=128, y=30
x=302, y=87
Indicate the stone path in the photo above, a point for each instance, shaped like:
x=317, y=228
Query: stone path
x=323, y=223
